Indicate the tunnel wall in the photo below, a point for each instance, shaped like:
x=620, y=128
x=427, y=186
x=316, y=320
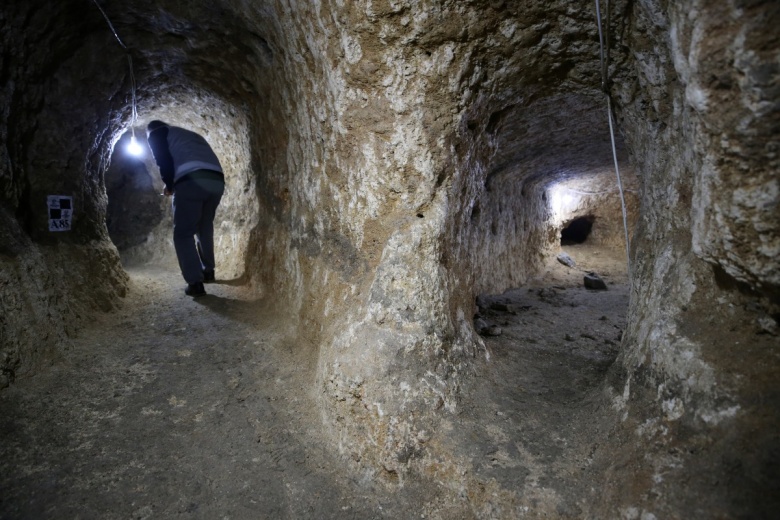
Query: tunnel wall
x=543, y=132
x=139, y=219
x=55, y=133
x=608, y=227
x=384, y=139
x=695, y=384
x=402, y=350
x=374, y=129
x=347, y=171
x=374, y=139
x=366, y=169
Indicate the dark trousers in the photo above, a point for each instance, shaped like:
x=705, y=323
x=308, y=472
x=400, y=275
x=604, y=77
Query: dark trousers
x=195, y=202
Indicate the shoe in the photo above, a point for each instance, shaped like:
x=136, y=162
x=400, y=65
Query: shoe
x=208, y=276
x=195, y=290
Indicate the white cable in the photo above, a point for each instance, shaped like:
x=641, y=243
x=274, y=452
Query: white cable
x=132, y=87
x=620, y=188
x=601, y=49
x=592, y=192
x=604, y=87
x=134, y=112
x=110, y=25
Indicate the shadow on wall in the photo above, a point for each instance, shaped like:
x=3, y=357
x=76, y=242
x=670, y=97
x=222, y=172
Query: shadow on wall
x=134, y=207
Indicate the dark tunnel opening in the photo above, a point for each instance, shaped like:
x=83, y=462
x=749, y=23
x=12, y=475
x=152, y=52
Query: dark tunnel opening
x=134, y=204
x=577, y=231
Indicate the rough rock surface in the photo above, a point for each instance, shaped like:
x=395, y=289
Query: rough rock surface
x=51, y=282
x=594, y=281
x=205, y=408
x=388, y=161
x=565, y=259
x=698, y=109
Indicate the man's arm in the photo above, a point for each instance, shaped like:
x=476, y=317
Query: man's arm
x=158, y=142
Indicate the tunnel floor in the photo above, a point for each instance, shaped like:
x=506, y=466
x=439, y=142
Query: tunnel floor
x=173, y=407
x=537, y=417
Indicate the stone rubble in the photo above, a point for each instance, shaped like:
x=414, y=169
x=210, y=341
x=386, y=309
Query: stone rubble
x=565, y=259
x=594, y=281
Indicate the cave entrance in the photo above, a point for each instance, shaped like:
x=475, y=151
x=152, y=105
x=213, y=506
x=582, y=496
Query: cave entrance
x=577, y=231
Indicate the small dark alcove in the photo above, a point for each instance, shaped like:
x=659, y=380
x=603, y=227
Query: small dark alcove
x=135, y=207
x=577, y=230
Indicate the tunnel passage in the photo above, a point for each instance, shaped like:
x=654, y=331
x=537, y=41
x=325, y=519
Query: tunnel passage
x=577, y=231
x=550, y=168
x=139, y=217
x=354, y=116
x=135, y=205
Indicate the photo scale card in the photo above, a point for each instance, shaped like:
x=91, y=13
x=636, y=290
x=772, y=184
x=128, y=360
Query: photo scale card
x=60, y=212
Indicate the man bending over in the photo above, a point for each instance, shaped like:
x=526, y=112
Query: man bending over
x=192, y=174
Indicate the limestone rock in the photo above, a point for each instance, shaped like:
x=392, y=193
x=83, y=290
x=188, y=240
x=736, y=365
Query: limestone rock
x=768, y=325
x=492, y=330
x=594, y=281
x=565, y=259
x=389, y=160
x=480, y=325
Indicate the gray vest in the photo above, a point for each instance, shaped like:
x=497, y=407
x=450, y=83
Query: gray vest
x=190, y=152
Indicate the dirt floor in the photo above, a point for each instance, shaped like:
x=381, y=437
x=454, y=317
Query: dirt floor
x=534, y=417
x=174, y=407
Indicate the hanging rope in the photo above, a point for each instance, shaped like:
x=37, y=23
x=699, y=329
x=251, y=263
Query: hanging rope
x=134, y=115
x=605, y=87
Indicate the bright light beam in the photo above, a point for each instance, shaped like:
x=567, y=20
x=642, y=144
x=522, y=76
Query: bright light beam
x=562, y=201
x=133, y=148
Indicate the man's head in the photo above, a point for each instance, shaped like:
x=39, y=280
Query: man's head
x=154, y=125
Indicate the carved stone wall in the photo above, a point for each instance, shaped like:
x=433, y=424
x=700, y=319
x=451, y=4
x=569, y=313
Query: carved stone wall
x=389, y=160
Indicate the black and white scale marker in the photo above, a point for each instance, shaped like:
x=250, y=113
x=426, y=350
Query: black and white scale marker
x=60, y=212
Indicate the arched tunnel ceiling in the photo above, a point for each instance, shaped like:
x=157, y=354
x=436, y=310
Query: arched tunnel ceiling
x=554, y=139
x=228, y=48
x=228, y=62
x=550, y=125
x=537, y=66
x=215, y=47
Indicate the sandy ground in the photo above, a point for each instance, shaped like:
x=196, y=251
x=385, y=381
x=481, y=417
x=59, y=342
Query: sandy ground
x=174, y=407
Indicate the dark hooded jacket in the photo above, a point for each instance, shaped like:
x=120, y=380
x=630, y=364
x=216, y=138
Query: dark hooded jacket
x=179, y=152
